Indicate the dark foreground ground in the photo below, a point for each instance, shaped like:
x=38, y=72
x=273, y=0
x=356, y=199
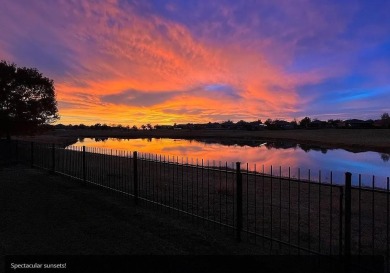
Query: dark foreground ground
x=46, y=214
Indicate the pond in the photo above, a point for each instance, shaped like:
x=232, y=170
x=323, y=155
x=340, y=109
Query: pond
x=281, y=158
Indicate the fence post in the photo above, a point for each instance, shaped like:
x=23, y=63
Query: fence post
x=32, y=154
x=239, y=200
x=347, y=220
x=84, y=166
x=341, y=212
x=53, y=158
x=135, y=177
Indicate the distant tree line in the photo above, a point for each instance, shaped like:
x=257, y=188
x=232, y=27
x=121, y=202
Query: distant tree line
x=269, y=124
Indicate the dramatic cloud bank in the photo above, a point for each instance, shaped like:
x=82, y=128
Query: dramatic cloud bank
x=160, y=62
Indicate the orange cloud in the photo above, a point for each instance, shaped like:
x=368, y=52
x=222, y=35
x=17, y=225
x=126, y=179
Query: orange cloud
x=154, y=55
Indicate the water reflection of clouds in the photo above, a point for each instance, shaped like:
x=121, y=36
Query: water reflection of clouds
x=315, y=163
x=182, y=149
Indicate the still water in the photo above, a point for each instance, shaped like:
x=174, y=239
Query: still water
x=307, y=162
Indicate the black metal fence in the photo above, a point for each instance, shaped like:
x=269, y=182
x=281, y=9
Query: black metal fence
x=287, y=215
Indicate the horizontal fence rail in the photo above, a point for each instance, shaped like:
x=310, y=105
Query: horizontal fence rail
x=283, y=212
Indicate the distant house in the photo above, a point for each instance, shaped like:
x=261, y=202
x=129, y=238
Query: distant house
x=359, y=124
x=380, y=123
x=228, y=124
x=282, y=124
x=257, y=125
x=163, y=127
x=317, y=124
x=213, y=126
x=341, y=124
x=182, y=126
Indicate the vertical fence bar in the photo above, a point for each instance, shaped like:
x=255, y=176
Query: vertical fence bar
x=146, y=184
x=53, y=158
x=121, y=185
x=373, y=215
x=319, y=211
x=347, y=221
x=226, y=195
x=387, y=225
x=177, y=184
x=360, y=215
x=71, y=161
x=17, y=151
x=84, y=167
x=255, y=194
x=289, y=209
x=201, y=190
x=192, y=187
x=197, y=188
x=331, y=214
x=155, y=181
x=280, y=205
x=341, y=198
x=182, y=183
x=49, y=157
x=176, y=164
x=32, y=154
x=155, y=171
x=165, y=186
x=234, y=205
x=271, y=208
x=239, y=201
x=187, y=182
x=135, y=167
x=168, y=183
x=111, y=172
x=220, y=195
x=299, y=210
x=214, y=196
x=247, y=200
x=309, y=211
x=63, y=160
x=263, y=203
x=208, y=190
x=103, y=165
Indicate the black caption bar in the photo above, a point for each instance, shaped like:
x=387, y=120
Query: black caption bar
x=192, y=263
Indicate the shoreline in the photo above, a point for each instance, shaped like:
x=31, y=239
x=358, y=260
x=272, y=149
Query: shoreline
x=353, y=140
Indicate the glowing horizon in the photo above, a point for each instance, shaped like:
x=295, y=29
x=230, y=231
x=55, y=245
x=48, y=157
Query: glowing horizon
x=164, y=62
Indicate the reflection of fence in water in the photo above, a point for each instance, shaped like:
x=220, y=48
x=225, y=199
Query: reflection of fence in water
x=285, y=213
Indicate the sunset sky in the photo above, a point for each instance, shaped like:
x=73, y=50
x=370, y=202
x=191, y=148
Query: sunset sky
x=163, y=62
